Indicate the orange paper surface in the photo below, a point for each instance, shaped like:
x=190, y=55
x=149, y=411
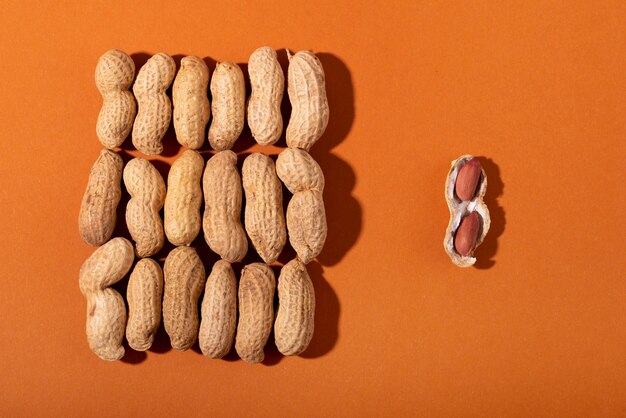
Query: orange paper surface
x=537, y=328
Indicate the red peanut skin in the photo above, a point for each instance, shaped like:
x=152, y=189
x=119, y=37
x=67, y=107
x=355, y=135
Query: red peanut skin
x=467, y=234
x=467, y=180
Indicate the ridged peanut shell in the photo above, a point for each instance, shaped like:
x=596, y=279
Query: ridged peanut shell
x=299, y=171
x=267, y=82
x=97, y=217
x=306, y=86
x=228, y=91
x=106, y=311
x=115, y=72
x=191, y=102
x=459, y=209
x=144, y=293
x=222, y=226
x=184, y=198
x=219, y=311
x=256, y=311
x=295, y=316
x=306, y=224
x=147, y=195
x=154, y=107
x=264, y=217
x=184, y=281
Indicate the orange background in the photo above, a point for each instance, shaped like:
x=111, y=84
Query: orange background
x=537, y=90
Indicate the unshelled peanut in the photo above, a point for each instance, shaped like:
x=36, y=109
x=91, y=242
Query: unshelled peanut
x=147, y=190
x=144, y=292
x=467, y=179
x=191, y=103
x=309, y=105
x=228, y=91
x=295, y=317
x=306, y=215
x=219, y=311
x=98, y=216
x=115, y=72
x=184, y=198
x=184, y=281
x=154, y=107
x=106, y=311
x=222, y=226
x=264, y=217
x=256, y=311
x=268, y=84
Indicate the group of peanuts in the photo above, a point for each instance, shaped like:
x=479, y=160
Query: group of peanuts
x=244, y=311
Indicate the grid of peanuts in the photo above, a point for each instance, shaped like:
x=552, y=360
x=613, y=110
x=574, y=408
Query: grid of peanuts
x=239, y=312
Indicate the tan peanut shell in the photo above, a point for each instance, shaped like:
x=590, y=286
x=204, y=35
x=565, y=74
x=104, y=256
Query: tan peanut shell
x=228, y=91
x=184, y=198
x=98, y=216
x=264, y=217
x=147, y=195
x=219, y=311
x=184, y=281
x=295, y=316
x=306, y=215
x=299, y=171
x=306, y=86
x=191, y=102
x=144, y=293
x=154, y=107
x=106, y=311
x=267, y=82
x=306, y=223
x=459, y=209
x=115, y=72
x=223, y=230
x=256, y=311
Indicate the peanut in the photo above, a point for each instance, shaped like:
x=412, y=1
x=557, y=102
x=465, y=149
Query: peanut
x=155, y=109
x=467, y=234
x=184, y=281
x=144, y=292
x=115, y=72
x=191, y=103
x=467, y=179
x=469, y=223
x=256, y=311
x=307, y=94
x=306, y=215
x=147, y=190
x=219, y=311
x=97, y=216
x=106, y=311
x=294, y=324
x=184, y=198
x=264, y=218
x=268, y=84
x=223, y=231
x=228, y=90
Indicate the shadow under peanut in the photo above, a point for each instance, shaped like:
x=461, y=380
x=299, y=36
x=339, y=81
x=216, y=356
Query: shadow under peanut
x=486, y=252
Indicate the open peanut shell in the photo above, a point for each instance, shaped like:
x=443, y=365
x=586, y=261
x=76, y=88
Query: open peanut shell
x=459, y=209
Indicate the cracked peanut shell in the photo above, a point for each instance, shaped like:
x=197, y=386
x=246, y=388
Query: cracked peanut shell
x=459, y=209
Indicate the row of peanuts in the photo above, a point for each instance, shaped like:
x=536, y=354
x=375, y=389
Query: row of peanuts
x=245, y=309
